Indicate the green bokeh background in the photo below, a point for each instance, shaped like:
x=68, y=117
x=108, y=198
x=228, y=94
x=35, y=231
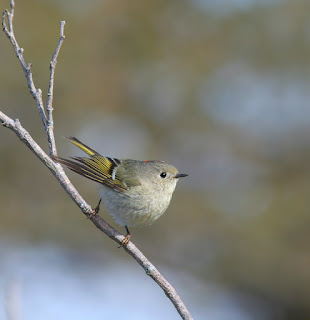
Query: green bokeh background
x=220, y=90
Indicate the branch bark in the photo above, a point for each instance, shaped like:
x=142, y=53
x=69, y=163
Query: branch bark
x=8, y=30
x=50, y=94
x=56, y=168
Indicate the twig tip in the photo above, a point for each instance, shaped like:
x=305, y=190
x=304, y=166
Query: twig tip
x=12, y=4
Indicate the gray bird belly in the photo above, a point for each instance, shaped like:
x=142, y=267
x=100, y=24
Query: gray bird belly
x=132, y=208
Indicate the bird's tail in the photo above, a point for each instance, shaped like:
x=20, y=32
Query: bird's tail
x=97, y=167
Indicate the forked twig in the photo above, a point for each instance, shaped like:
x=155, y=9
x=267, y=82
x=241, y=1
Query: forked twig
x=57, y=170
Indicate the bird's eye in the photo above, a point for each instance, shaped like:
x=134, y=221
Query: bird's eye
x=163, y=175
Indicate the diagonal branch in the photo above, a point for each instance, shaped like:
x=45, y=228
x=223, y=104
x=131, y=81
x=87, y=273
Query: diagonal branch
x=57, y=170
x=59, y=174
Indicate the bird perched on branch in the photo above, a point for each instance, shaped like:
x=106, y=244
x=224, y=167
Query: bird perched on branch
x=135, y=193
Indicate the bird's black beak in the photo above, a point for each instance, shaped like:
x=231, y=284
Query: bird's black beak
x=180, y=175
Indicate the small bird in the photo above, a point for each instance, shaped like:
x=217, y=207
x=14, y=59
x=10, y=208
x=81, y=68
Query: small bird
x=135, y=193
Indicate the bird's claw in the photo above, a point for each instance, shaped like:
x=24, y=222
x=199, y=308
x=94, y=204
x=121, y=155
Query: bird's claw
x=95, y=211
x=125, y=241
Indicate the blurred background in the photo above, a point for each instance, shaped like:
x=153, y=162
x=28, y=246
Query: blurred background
x=220, y=89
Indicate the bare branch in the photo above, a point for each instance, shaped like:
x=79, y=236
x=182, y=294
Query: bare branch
x=36, y=93
x=57, y=170
x=49, y=103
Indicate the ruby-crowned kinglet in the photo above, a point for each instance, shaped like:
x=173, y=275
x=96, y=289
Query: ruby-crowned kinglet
x=135, y=193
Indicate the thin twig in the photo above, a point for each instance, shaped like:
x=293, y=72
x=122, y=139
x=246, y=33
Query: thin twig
x=59, y=173
x=50, y=94
x=36, y=93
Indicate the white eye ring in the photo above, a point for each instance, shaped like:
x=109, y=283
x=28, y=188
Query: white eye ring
x=163, y=174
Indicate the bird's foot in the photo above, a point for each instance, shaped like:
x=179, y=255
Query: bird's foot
x=125, y=241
